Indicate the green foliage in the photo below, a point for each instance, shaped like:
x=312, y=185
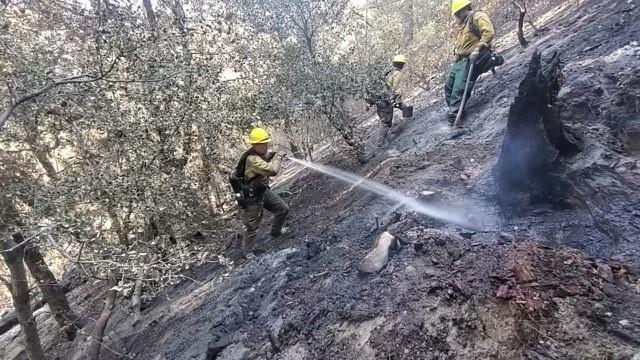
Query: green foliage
x=123, y=121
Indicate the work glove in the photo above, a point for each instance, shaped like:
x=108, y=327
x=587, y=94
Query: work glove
x=476, y=53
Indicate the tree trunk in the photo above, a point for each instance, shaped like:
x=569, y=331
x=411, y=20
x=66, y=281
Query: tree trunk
x=523, y=13
x=179, y=16
x=13, y=256
x=53, y=293
x=151, y=16
x=408, y=23
x=118, y=226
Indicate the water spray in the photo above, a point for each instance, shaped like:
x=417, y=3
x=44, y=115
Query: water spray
x=462, y=217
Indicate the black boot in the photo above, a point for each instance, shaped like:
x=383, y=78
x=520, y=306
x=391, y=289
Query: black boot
x=451, y=117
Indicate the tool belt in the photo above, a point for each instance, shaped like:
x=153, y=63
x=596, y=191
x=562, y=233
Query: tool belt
x=251, y=194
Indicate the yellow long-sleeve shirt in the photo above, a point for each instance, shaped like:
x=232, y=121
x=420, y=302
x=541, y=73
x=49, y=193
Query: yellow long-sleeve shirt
x=393, y=80
x=467, y=41
x=259, y=170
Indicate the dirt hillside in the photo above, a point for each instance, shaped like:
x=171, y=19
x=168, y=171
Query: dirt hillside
x=552, y=280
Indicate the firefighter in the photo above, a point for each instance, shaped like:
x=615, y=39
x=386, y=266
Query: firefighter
x=255, y=168
x=475, y=34
x=391, y=97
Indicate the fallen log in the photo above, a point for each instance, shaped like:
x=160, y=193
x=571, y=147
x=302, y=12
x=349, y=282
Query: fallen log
x=136, y=302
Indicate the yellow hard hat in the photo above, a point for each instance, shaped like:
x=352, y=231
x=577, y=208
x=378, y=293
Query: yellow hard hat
x=400, y=59
x=457, y=5
x=259, y=136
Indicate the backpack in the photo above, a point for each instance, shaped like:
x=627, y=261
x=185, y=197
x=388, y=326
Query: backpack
x=242, y=189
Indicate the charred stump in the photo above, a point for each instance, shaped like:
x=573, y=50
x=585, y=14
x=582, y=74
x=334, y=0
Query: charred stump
x=535, y=139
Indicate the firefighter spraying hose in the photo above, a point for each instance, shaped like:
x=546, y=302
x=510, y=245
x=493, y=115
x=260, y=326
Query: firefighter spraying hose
x=250, y=182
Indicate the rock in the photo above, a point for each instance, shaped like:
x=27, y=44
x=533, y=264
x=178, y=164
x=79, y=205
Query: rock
x=429, y=196
x=605, y=272
x=457, y=133
x=215, y=348
x=503, y=292
x=378, y=257
x=274, y=339
x=597, y=292
x=433, y=287
x=234, y=352
x=636, y=356
x=506, y=238
x=441, y=238
x=467, y=234
x=624, y=323
x=297, y=352
x=609, y=290
x=429, y=272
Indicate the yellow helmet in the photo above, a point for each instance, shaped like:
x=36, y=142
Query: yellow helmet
x=457, y=5
x=400, y=59
x=259, y=136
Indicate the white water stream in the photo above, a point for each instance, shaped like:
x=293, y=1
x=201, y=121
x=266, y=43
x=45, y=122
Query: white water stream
x=465, y=217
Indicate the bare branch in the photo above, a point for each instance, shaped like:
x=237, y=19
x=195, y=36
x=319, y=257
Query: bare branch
x=78, y=79
x=143, y=80
x=29, y=238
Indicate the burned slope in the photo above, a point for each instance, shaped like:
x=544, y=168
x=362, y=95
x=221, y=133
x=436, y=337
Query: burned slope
x=517, y=289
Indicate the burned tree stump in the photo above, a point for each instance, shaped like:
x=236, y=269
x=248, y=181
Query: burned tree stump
x=536, y=139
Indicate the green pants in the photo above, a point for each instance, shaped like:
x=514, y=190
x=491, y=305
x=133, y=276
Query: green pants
x=385, y=112
x=252, y=216
x=454, y=87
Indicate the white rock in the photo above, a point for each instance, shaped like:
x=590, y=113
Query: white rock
x=378, y=257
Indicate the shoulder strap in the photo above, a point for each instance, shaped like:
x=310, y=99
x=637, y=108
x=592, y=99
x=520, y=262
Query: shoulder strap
x=242, y=163
x=472, y=25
